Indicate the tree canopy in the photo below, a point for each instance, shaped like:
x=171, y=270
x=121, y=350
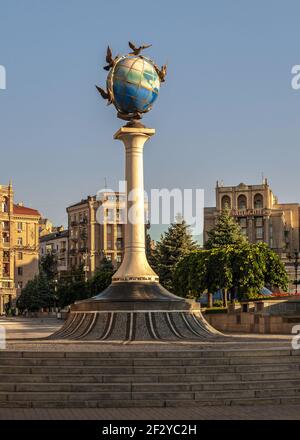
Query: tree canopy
x=174, y=244
x=245, y=268
x=226, y=232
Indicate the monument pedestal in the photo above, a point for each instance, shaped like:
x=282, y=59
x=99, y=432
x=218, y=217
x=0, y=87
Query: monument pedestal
x=135, y=306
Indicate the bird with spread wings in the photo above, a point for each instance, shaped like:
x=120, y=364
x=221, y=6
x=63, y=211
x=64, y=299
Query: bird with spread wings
x=137, y=50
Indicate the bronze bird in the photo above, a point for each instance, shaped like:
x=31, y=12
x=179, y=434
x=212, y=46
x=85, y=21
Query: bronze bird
x=109, y=59
x=137, y=50
x=161, y=72
x=104, y=94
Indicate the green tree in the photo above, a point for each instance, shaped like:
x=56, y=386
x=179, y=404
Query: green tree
x=102, y=277
x=173, y=245
x=72, y=287
x=48, y=265
x=275, y=273
x=248, y=267
x=219, y=269
x=244, y=269
x=37, y=294
x=227, y=231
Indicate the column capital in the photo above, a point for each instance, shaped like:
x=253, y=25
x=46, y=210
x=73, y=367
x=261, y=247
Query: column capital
x=134, y=130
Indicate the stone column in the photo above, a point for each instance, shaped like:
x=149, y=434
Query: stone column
x=134, y=266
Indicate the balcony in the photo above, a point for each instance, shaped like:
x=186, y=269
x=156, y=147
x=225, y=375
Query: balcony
x=8, y=291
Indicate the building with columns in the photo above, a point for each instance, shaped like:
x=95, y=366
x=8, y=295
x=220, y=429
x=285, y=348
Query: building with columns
x=19, y=246
x=90, y=240
x=261, y=217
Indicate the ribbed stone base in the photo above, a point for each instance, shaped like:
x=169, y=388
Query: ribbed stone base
x=136, y=326
x=136, y=311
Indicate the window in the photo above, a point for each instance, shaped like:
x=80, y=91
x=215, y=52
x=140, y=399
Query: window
x=5, y=226
x=243, y=222
x=259, y=232
x=119, y=258
x=109, y=229
x=5, y=238
x=226, y=202
x=5, y=256
x=108, y=257
x=258, y=221
x=244, y=232
x=242, y=202
x=20, y=255
x=110, y=214
x=109, y=244
x=258, y=201
x=5, y=204
x=20, y=271
x=119, y=231
x=20, y=285
x=20, y=226
x=20, y=241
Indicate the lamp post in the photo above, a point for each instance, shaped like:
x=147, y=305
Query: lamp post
x=295, y=259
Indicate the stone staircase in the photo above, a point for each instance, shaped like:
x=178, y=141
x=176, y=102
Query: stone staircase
x=149, y=379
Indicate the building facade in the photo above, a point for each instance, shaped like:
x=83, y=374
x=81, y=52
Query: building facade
x=92, y=238
x=56, y=243
x=19, y=246
x=261, y=218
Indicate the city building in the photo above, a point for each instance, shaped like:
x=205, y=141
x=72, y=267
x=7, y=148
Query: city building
x=45, y=227
x=56, y=243
x=261, y=218
x=19, y=246
x=90, y=238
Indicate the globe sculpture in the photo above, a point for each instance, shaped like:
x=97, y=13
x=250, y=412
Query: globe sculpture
x=135, y=306
x=133, y=82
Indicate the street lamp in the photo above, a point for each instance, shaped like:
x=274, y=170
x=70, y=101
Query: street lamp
x=295, y=259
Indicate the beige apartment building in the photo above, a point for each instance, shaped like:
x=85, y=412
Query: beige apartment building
x=90, y=240
x=261, y=217
x=19, y=246
x=56, y=243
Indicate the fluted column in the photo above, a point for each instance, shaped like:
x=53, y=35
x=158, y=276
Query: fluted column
x=134, y=266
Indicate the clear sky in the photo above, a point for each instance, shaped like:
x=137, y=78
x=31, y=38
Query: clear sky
x=227, y=110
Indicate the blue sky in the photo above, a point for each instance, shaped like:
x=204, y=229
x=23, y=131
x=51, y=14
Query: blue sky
x=227, y=110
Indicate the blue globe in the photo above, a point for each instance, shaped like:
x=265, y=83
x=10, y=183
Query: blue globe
x=134, y=84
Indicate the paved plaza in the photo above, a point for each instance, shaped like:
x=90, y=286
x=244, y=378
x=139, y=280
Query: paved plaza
x=30, y=333
x=279, y=412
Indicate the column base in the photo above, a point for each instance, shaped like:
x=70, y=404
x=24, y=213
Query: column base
x=133, y=311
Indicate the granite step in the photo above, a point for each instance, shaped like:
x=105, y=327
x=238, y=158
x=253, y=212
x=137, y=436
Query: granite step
x=152, y=354
x=145, y=362
x=161, y=378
